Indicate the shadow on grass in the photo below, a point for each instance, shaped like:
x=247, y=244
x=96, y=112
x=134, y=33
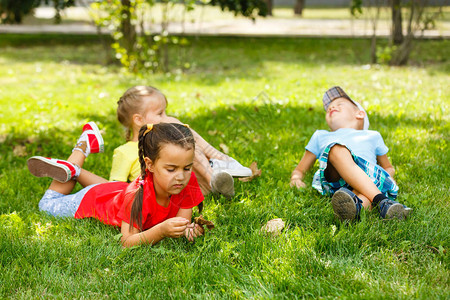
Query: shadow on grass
x=211, y=57
x=272, y=134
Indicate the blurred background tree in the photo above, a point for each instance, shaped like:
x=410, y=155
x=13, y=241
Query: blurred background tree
x=420, y=15
x=139, y=48
x=13, y=11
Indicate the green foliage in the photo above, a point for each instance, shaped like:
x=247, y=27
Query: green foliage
x=384, y=53
x=12, y=11
x=59, y=5
x=261, y=98
x=356, y=8
x=138, y=48
x=247, y=8
x=419, y=16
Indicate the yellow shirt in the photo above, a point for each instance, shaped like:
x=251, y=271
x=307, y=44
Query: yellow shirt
x=125, y=163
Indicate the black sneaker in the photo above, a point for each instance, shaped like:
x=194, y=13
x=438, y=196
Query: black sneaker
x=346, y=205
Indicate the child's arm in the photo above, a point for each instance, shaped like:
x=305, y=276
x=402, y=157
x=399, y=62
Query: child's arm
x=173, y=227
x=384, y=162
x=303, y=166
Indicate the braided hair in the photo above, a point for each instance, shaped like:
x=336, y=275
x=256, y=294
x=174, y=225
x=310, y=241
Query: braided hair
x=151, y=140
x=131, y=103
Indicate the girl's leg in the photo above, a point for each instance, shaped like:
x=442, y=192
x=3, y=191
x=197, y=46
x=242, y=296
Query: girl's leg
x=85, y=178
x=77, y=158
x=208, y=150
x=203, y=171
x=217, y=182
x=90, y=141
x=60, y=205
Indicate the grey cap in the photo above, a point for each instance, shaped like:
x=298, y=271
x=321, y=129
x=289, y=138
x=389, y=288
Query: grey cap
x=337, y=92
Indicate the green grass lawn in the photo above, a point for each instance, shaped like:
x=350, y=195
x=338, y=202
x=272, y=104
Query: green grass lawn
x=262, y=99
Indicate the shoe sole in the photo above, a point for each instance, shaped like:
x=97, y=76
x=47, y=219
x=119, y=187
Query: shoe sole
x=397, y=211
x=407, y=211
x=98, y=135
x=40, y=167
x=343, y=206
x=223, y=183
x=235, y=173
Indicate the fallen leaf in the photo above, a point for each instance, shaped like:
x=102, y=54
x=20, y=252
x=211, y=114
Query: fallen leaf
x=212, y=132
x=201, y=221
x=255, y=172
x=224, y=148
x=273, y=227
x=20, y=151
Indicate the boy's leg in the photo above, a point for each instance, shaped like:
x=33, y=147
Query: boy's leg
x=342, y=165
x=365, y=202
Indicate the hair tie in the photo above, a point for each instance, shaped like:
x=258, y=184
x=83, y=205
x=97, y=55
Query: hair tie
x=186, y=125
x=149, y=128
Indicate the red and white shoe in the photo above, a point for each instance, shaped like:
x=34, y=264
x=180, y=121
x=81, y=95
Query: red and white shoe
x=90, y=141
x=57, y=169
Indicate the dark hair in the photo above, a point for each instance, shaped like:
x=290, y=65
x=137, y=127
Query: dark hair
x=150, y=144
x=131, y=103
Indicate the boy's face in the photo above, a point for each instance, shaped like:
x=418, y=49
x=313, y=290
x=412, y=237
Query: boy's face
x=154, y=109
x=342, y=113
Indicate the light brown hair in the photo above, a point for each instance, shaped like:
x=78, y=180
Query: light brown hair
x=131, y=103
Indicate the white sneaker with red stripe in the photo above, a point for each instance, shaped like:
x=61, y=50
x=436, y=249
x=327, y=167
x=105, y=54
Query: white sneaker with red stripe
x=90, y=141
x=57, y=169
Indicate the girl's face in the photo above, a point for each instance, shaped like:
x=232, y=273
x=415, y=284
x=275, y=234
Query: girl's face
x=172, y=170
x=154, y=109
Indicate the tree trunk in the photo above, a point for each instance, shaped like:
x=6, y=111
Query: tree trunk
x=397, y=33
x=127, y=29
x=298, y=8
x=269, y=7
x=401, y=55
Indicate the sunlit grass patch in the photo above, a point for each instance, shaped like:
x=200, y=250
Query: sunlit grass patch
x=262, y=99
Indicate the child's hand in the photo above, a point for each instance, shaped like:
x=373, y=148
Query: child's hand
x=174, y=227
x=192, y=231
x=298, y=183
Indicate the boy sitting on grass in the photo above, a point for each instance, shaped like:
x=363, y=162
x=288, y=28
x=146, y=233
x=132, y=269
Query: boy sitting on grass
x=353, y=165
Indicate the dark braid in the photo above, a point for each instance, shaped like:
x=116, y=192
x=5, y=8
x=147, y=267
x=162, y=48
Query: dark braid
x=150, y=144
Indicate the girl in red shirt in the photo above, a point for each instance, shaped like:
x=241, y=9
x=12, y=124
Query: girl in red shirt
x=156, y=205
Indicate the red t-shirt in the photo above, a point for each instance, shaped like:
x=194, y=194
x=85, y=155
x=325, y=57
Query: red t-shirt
x=111, y=202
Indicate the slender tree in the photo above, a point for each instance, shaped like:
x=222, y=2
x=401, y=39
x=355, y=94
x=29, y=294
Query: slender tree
x=397, y=31
x=298, y=8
